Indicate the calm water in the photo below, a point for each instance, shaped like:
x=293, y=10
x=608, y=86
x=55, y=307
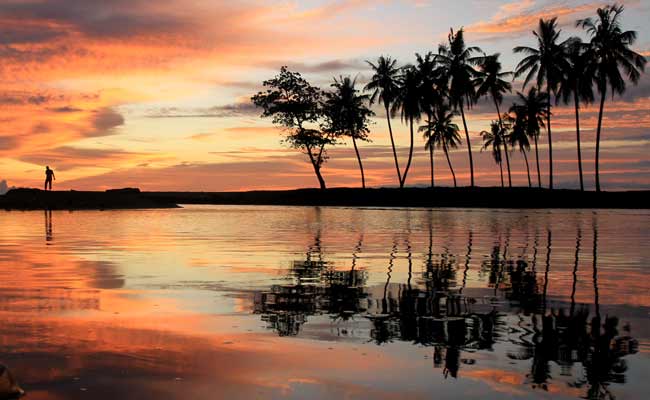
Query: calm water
x=285, y=302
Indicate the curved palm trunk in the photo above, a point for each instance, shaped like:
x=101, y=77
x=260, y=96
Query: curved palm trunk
x=550, y=142
x=530, y=184
x=577, y=104
x=505, y=144
x=539, y=176
x=431, y=160
x=600, y=125
x=392, y=142
x=444, y=148
x=469, y=146
x=356, y=150
x=408, y=164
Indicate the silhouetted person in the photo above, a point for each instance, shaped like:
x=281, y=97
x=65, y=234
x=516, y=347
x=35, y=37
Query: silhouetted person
x=49, y=176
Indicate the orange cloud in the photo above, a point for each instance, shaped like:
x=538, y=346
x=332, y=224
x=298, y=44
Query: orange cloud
x=519, y=17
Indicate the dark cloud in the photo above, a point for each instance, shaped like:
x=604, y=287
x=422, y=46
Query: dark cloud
x=222, y=111
x=104, y=122
x=29, y=98
x=67, y=157
x=37, y=54
x=41, y=127
x=19, y=34
x=65, y=109
x=8, y=142
x=332, y=66
x=96, y=19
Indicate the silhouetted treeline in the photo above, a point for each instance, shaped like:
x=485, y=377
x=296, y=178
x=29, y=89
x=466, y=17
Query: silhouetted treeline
x=446, y=84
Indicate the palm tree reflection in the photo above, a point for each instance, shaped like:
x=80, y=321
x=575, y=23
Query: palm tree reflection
x=432, y=308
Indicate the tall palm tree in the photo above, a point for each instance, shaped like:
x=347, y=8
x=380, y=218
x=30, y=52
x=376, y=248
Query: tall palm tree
x=610, y=53
x=384, y=86
x=491, y=81
x=456, y=63
x=348, y=114
x=410, y=107
x=532, y=109
x=432, y=93
x=577, y=86
x=518, y=136
x=492, y=140
x=444, y=133
x=547, y=63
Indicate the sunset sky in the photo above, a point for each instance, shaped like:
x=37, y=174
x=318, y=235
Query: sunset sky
x=156, y=94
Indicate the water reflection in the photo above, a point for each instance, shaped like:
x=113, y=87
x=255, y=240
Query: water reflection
x=432, y=309
x=48, y=226
x=325, y=303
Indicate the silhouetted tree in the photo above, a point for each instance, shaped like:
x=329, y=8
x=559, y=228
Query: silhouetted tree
x=518, y=136
x=410, y=107
x=347, y=114
x=547, y=63
x=456, y=63
x=491, y=81
x=444, y=133
x=384, y=86
x=610, y=52
x=433, y=88
x=492, y=140
x=295, y=104
x=531, y=112
x=577, y=86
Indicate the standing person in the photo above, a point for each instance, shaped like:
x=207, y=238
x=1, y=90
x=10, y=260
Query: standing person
x=49, y=175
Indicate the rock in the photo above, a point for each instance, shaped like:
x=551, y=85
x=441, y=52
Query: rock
x=9, y=388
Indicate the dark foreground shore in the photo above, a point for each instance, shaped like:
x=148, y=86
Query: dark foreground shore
x=420, y=197
x=31, y=199
x=35, y=199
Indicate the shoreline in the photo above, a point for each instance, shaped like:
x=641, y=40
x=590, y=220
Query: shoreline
x=462, y=197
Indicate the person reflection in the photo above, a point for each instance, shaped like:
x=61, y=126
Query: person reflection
x=48, y=226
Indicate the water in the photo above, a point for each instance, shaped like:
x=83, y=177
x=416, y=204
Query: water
x=298, y=302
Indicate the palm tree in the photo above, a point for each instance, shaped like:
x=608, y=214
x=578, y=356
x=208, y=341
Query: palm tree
x=432, y=92
x=384, y=87
x=577, y=86
x=547, y=63
x=347, y=114
x=410, y=107
x=532, y=109
x=493, y=139
x=456, y=63
x=444, y=132
x=610, y=53
x=490, y=81
x=518, y=136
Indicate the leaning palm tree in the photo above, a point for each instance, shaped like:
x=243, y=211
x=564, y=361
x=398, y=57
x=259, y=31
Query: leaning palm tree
x=384, y=86
x=533, y=108
x=491, y=81
x=610, y=53
x=518, y=136
x=456, y=63
x=347, y=114
x=492, y=140
x=577, y=86
x=444, y=133
x=409, y=105
x=547, y=63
